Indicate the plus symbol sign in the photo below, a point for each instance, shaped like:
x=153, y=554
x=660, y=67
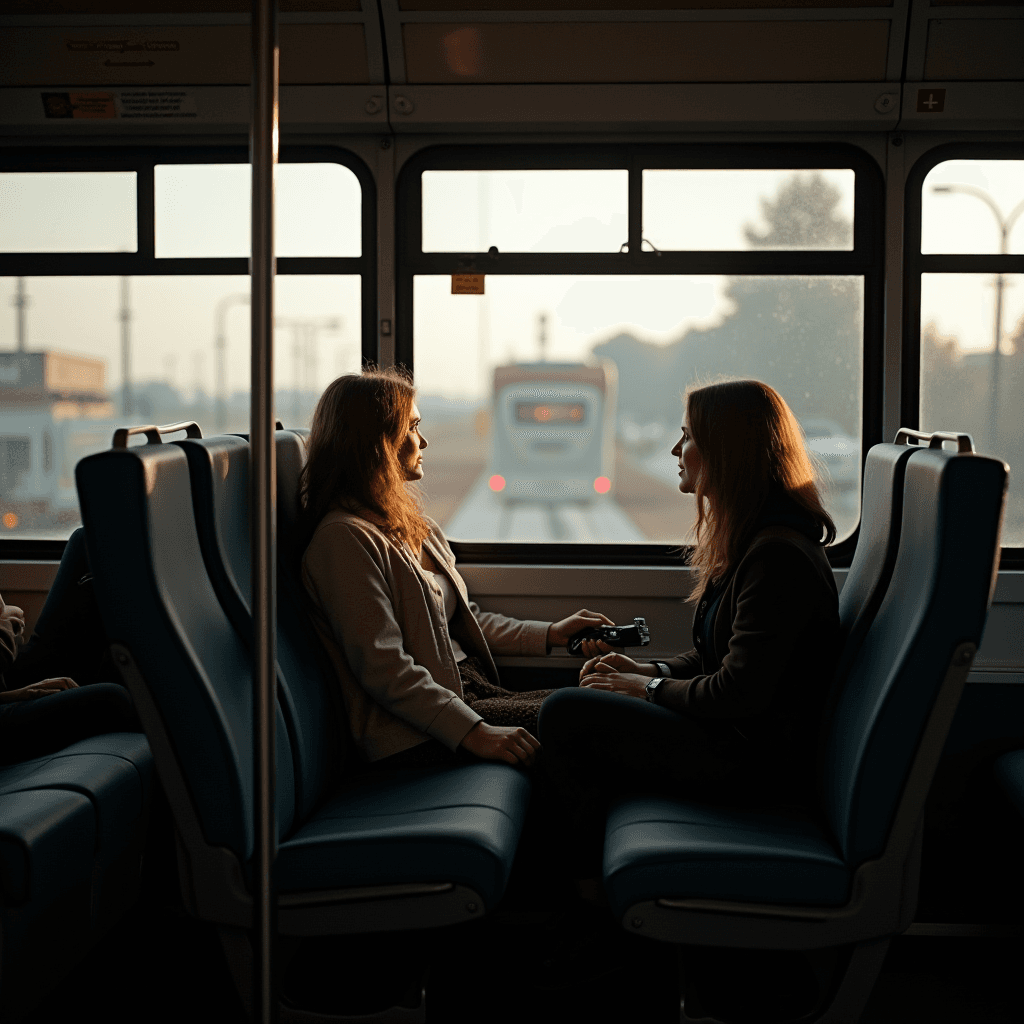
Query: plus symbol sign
x=931, y=101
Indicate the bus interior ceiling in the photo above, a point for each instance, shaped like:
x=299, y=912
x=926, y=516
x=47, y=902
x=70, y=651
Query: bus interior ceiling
x=558, y=214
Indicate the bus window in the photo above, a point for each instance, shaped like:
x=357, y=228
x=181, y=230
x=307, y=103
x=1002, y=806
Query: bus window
x=525, y=211
x=95, y=345
x=68, y=211
x=734, y=210
x=203, y=210
x=552, y=401
x=972, y=324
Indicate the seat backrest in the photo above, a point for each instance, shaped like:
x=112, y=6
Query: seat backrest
x=219, y=475
x=156, y=599
x=873, y=560
x=219, y=468
x=938, y=599
x=304, y=662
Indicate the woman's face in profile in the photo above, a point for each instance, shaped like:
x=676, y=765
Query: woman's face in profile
x=688, y=458
x=409, y=453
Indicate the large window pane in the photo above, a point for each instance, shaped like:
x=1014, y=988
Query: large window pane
x=965, y=386
x=619, y=350
x=202, y=210
x=973, y=206
x=759, y=209
x=63, y=396
x=68, y=211
x=525, y=211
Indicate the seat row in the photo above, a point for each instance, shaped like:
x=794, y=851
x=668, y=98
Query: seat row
x=168, y=527
x=73, y=828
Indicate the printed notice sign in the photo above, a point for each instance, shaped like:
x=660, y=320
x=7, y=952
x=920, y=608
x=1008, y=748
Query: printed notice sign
x=156, y=103
x=467, y=284
x=125, y=103
x=87, y=105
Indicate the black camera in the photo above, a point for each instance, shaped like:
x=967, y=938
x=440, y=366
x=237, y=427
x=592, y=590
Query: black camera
x=637, y=635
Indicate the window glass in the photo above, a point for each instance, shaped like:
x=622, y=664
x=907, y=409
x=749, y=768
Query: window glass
x=735, y=210
x=68, y=211
x=973, y=206
x=525, y=211
x=508, y=461
x=203, y=210
x=965, y=385
x=63, y=395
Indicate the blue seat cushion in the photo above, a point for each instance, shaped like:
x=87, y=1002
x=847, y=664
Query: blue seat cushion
x=661, y=847
x=47, y=844
x=114, y=772
x=1009, y=771
x=457, y=825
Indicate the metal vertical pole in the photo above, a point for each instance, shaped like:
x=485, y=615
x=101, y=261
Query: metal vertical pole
x=263, y=155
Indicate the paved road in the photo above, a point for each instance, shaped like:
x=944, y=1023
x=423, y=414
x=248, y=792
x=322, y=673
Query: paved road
x=484, y=516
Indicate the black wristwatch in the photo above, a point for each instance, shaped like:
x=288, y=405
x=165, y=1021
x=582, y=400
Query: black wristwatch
x=652, y=688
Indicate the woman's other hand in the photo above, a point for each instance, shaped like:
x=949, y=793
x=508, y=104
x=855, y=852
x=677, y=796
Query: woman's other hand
x=15, y=615
x=510, y=744
x=619, y=663
x=41, y=689
x=559, y=632
x=616, y=673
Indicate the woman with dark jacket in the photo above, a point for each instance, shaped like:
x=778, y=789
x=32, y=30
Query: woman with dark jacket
x=736, y=717
x=411, y=651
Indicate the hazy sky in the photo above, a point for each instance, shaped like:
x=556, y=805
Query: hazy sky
x=203, y=211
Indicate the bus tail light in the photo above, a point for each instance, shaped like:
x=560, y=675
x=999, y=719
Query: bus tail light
x=602, y=485
x=497, y=482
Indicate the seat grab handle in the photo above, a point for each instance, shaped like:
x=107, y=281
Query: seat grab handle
x=152, y=433
x=964, y=442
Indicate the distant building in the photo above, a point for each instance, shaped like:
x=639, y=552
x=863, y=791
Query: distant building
x=56, y=409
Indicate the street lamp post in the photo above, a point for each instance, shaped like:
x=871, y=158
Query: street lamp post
x=220, y=349
x=1005, y=224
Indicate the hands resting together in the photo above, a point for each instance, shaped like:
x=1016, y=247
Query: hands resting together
x=13, y=614
x=605, y=669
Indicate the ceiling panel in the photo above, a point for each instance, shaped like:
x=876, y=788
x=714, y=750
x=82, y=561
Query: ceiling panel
x=776, y=51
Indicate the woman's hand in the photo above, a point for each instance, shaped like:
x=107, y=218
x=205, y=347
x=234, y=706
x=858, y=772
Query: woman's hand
x=15, y=615
x=41, y=689
x=559, y=632
x=511, y=744
x=620, y=663
x=613, y=673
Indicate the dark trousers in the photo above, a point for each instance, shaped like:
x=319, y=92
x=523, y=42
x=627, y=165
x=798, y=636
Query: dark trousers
x=34, y=728
x=68, y=639
x=598, y=745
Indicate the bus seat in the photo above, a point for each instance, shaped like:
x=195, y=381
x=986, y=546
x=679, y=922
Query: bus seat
x=873, y=561
x=1009, y=772
x=191, y=676
x=219, y=475
x=715, y=876
x=47, y=857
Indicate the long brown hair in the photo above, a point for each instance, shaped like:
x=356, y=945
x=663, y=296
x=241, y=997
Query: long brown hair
x=359, y=425
x=749, y=442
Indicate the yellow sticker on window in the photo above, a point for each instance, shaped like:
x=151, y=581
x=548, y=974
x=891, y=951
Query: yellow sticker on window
x=467, y=284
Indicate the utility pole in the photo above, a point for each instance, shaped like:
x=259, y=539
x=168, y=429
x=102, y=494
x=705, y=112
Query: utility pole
x=127, y=404
x=542, y=336
x=20, y=303
x=220, y=346
x=1005, y=224
x=305, y=334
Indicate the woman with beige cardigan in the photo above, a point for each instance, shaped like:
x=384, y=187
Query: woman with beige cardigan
x=412, y=652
